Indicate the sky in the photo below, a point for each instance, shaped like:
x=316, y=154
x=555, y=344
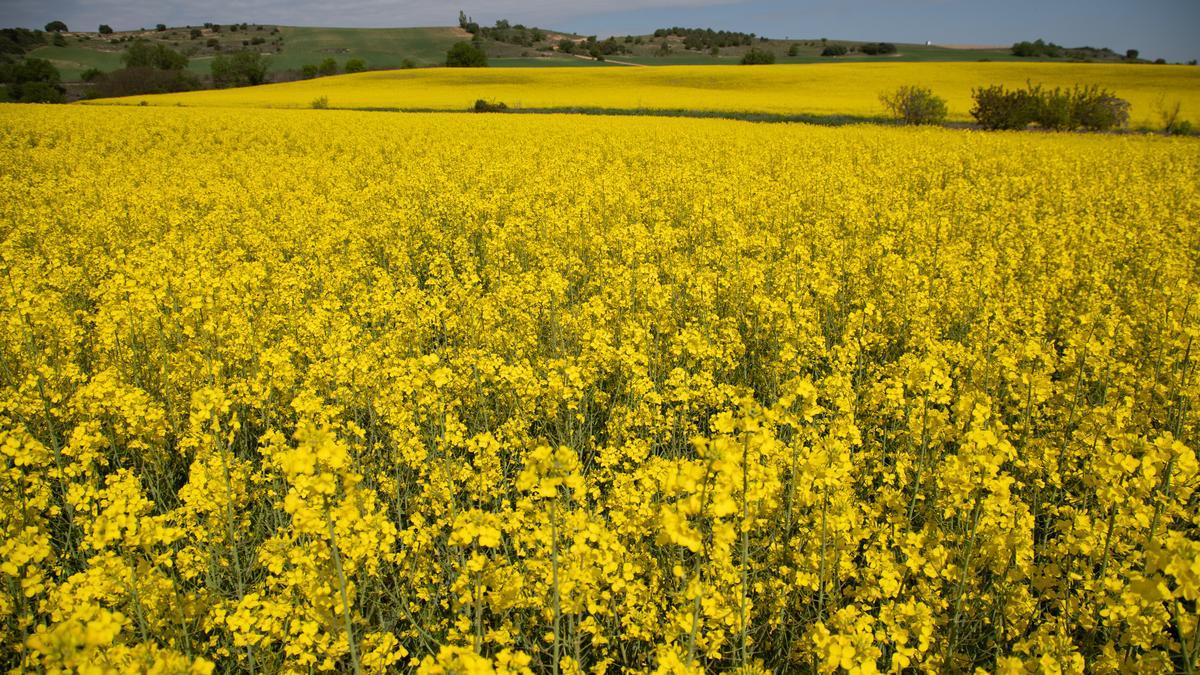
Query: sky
x=1158, y=28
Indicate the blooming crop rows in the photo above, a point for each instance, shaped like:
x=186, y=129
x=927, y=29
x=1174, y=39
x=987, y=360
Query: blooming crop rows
x=295, y=391
x=849, y=88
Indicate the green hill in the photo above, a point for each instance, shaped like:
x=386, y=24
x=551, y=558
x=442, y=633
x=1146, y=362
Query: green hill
x=292, y=47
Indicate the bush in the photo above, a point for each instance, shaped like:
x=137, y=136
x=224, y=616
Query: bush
x=58, y=40
x=408, y=64
x=162, y=27
x=1091, y=108
x=794, y=50
x=997, y=108
x=144, y=80
x=877, y=48
x=141, y=54
x=239, y=69
x=105, y=29
x=834, y=50
x=56, y=27
x=488, y=106
x=195, y=33
x=328, y=67
x=1131, y=54
x=915, y=105
x=32, y=81
x=1097, y=109
x=35, y=92
x=355, y=66
x=320, y=103
x=757, y=56
x=466, y=55
x=91, y=74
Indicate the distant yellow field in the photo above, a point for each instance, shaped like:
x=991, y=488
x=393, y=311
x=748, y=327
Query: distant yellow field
x=822, y=89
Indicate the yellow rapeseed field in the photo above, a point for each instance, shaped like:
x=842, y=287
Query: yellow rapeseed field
x=813, y=89
x=296, y=391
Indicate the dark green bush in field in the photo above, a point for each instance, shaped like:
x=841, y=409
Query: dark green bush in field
x=309, y=70
x=91, y=74
x=355, y=66
x=144, y=80
x=1097, y=109
x=998, y=108
x=105, y=29
x=1091, y=108
x=877, y=48
x=834, y=50
x=328, y=67
x=56, y=27
x=482, y=105
x=239, y=69
x=142, y=54
x=466, y=55
x=756, y=57
x=915, y=105
x=32, y=81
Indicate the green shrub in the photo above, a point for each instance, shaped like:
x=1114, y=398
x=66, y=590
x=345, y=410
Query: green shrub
x=1097, y=109
x=239, y=69
x=355, y=66
x=834, y=50
x=328, y=67
x=105, y=29
x=142, y=54
x=915, y=105
x=320, y=103
x=466, y=55
x=756, y=57
x=1091, y=108
x=91, y=74
x=877, y=48
x=308, y=71
x=998, y=108
x=482, y=105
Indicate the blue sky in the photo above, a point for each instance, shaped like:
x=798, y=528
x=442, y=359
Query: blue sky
x=1159, y=28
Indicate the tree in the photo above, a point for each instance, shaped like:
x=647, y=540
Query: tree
x=1131, y=54
x=240, y=69
x=308, y=71
x=834, y=50
x=328, y=67
x=466, y=55
x=794, y=50
x=56, y=27
x=195, y=33
x=105, y=29
x=142, y=54
x=34, y=81
x=160, y=27
x=355, y=66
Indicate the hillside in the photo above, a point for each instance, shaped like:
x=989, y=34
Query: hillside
x=292, y=47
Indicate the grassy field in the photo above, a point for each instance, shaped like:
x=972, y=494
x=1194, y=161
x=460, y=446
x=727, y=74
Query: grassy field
x=71, y=61
x=820, y=89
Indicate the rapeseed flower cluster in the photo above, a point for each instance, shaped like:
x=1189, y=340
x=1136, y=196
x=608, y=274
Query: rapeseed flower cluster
x=300, y=391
